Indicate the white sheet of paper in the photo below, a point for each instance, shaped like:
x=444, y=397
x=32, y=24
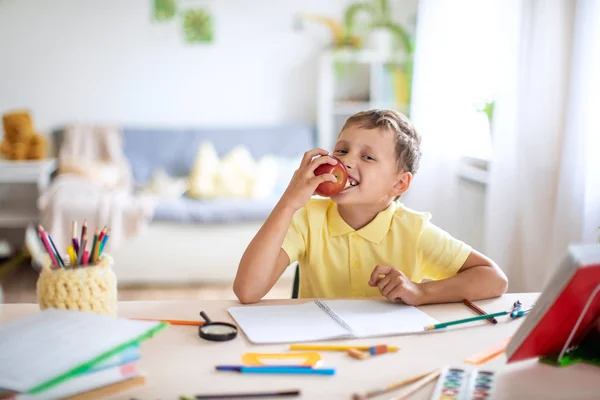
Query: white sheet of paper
x=369, y=318
x=286, y=324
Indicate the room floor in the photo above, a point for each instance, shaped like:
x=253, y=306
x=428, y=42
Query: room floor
x=18, y=286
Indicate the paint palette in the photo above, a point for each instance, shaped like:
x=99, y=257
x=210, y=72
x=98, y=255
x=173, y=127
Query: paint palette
x=457, y=383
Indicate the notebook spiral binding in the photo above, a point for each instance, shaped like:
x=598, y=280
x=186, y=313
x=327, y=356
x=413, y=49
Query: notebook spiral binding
x=335, y=317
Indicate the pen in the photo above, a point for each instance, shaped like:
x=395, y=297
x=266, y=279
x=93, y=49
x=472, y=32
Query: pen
x=478, y=310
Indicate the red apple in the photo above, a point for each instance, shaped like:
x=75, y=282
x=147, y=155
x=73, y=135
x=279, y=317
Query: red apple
x=328, y=189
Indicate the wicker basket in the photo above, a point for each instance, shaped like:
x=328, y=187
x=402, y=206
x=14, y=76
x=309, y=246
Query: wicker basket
x=90, y=288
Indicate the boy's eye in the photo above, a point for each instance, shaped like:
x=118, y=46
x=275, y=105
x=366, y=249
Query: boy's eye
x=341, y=151
x=369, y=158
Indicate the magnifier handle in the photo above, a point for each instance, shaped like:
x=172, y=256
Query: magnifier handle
x=203, y=315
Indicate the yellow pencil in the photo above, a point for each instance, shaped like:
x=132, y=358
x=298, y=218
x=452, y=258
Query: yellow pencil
x=72, y=256
x=325, y=347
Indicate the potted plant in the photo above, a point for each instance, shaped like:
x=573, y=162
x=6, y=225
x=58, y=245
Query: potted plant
x=384, y=34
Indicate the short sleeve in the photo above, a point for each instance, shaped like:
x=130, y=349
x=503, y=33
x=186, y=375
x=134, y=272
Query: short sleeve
x=294, y=243
x=441, y=254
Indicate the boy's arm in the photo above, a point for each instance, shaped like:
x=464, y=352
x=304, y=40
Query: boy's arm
x=264, y=260
x=478, y=278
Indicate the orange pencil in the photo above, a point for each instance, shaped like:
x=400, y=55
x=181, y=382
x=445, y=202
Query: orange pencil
x=173, y=321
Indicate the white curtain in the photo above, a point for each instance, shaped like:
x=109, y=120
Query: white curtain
x=544, y=185
x=456, y=63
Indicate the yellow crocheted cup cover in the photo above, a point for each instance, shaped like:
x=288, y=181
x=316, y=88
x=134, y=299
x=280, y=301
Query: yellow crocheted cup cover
x=85, y=288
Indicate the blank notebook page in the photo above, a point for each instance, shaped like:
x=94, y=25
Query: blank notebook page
x=48, y=344
x=284, y=324
x=369, y=318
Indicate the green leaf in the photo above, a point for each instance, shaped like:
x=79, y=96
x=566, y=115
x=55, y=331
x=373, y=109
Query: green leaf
x=352, y=11
x=197, y=26
x=403, y=37
x=164, y=10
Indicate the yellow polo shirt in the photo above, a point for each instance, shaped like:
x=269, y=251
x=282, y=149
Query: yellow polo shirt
x=337, y=261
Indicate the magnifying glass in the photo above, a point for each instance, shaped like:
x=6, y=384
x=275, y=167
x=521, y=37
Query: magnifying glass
x=216, y=331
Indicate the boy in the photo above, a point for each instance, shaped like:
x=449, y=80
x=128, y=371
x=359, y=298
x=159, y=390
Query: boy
x=360, y=242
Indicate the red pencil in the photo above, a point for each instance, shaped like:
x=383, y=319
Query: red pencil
x=46, y=243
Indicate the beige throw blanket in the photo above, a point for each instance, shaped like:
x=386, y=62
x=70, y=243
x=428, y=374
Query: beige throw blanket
x=94, y=184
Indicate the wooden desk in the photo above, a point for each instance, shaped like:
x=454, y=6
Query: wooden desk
x=178, y=362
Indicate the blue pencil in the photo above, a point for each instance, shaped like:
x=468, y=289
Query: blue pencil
x=280, y=370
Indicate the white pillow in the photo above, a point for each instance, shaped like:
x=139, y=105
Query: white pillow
x=163, y=186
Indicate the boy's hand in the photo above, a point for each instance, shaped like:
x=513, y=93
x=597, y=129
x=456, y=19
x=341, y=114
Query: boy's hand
x=304, y=182
x=394, y=285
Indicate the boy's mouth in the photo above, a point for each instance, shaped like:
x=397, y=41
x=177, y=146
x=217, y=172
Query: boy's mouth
x=351, y=182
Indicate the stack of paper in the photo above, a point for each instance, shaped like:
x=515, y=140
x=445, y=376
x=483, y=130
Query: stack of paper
x=58, y=353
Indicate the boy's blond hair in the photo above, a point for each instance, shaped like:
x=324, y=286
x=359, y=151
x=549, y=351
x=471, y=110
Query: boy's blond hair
x=408, y=141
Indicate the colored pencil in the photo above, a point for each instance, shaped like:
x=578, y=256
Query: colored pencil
x=93, y=251
x=418, y=386
x=46, y=244
x=466, y=320
x=325, y=347
x=102, y=233
x=85, y=258
x=286, y=393
x=478, y=310
x=104, y=240
x=389, y=388
x=81, y=243
x=72, y=256
x=173, y=321
x=82, y=249
x=74, y=237
x=281, y=370
x=58, y=257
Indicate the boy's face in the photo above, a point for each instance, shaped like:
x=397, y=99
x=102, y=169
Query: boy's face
x=370, y=158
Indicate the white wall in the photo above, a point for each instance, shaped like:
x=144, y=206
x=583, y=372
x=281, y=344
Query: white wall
x=107, y=61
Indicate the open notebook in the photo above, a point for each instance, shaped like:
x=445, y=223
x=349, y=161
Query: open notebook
x=328, y=319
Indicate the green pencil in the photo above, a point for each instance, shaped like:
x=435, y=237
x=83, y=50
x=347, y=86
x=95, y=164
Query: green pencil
x=462, y=321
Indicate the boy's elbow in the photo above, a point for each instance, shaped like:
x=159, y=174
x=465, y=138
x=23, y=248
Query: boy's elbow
x=501, y=285
x=244, y=295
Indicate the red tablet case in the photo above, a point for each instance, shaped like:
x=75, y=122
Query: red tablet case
x=547, y=327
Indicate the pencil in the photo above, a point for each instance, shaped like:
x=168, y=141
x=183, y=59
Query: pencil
x=173, y=321
x=72, y=256
x=418, y=386
x=81, y=241
x=389, y=388
x=286, y=393
x=93, y=251
x=104, y=240
x=478, y=310
x=46, y=244
x=74, y=237
x=58, y=257
x=463, y=321
x=334, y=347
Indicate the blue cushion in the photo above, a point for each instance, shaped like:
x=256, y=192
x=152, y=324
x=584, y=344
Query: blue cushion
x=174, y=150
x=232, y=210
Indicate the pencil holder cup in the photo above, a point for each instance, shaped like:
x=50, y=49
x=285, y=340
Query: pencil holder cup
x=91, y=288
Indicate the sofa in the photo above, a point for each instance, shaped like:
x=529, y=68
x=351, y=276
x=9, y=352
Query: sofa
x=193, y=240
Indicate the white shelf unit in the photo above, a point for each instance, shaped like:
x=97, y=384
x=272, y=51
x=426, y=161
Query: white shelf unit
x=20, y=185
x=351, y=81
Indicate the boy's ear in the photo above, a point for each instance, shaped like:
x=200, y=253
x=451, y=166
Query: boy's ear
x=402, y=184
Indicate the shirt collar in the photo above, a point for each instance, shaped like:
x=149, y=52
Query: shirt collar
x=374, y=231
